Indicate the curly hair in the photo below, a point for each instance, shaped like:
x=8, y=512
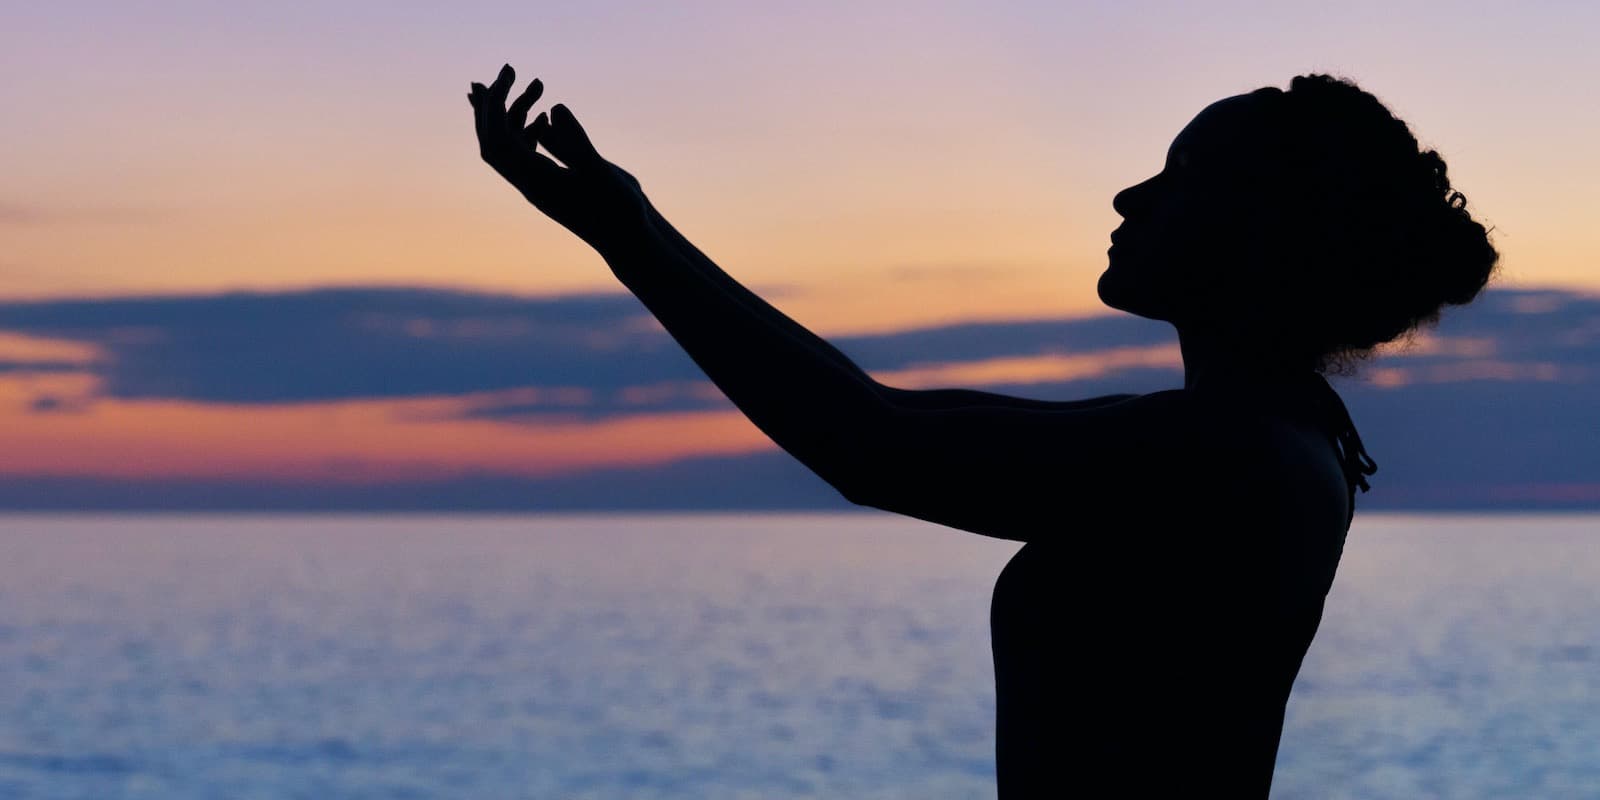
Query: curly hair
x=1380, y=240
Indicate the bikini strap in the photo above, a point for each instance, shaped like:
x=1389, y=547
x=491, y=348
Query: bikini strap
x=1352, y=453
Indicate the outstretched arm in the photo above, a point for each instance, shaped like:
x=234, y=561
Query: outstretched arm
x=950, y=456
x=800, y=391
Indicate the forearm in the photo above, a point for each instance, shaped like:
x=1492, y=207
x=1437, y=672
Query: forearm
x=803, y=393
x=920, y=399
x=736, y=292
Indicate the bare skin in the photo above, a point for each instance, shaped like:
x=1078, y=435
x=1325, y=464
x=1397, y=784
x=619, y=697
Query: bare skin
x=1100, y=660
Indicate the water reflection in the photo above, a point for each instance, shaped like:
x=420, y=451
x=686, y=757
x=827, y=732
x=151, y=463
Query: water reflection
x=710, y=656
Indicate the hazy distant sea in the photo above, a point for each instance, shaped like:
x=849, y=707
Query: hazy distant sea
x=712, y=656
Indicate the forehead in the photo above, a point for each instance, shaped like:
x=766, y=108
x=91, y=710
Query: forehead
x=1230, y=125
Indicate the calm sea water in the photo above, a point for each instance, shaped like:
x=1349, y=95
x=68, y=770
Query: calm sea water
x=712, y=656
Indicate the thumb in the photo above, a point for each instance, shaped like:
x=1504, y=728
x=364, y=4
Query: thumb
x=567, y=140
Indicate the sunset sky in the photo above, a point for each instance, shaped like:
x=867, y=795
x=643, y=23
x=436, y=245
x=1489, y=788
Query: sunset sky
x=871, y=168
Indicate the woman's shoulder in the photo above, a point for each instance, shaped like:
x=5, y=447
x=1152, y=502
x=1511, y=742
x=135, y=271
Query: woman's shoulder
x=1279, y=452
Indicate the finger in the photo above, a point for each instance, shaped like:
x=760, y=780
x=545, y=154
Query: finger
x=502, y=85
x=537, y=130
x=543, y=168
x=491, y=134
x=478, y=105
x=518, y=115
x=528, y=171
x=492, y=103
x=567, y=139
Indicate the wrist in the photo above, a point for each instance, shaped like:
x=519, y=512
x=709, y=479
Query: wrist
x=628, y=239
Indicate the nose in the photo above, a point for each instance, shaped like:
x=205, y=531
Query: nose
x=1128, y=201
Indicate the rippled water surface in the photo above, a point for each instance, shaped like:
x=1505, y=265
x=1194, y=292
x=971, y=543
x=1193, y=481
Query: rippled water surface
x=711, y=656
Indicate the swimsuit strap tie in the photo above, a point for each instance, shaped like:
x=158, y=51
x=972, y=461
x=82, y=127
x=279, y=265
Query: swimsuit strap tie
x=1357, y=464
x=1353, y=454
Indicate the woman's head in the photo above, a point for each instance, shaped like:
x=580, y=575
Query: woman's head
x=1307, y=225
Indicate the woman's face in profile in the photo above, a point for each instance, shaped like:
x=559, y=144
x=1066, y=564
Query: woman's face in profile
x=1185, y=230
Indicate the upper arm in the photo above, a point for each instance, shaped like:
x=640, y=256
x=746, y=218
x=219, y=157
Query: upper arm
x=1027, y=473
x=936, y=399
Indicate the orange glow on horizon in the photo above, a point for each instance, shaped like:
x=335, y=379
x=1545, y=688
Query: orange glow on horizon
x=1034, y=369
x=18, y=348
x=358, y=441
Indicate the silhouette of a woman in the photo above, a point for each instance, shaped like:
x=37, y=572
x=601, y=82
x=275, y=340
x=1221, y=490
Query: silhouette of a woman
x=1179, y=544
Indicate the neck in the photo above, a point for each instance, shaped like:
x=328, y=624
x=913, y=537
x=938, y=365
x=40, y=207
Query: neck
x=1216, y=362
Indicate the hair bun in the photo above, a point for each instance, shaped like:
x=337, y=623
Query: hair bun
x=1386, y=241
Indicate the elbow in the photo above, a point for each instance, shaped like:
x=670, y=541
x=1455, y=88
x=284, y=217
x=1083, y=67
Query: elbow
x=854, y=493
x=848, y=474
x=841, y=475
x=850, y=453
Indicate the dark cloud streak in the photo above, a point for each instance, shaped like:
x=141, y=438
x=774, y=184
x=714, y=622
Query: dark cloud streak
x=332, y=344
x=1460, y=443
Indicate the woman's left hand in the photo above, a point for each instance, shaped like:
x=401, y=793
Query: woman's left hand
x=595, y=199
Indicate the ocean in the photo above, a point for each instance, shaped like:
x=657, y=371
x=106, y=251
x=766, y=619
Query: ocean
x=712, y=656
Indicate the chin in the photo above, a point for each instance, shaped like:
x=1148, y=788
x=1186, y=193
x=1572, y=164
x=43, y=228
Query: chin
x=1107, y=291
x=1120, y=295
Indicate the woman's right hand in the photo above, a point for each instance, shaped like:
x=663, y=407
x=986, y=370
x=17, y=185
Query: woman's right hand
x=595, y=199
